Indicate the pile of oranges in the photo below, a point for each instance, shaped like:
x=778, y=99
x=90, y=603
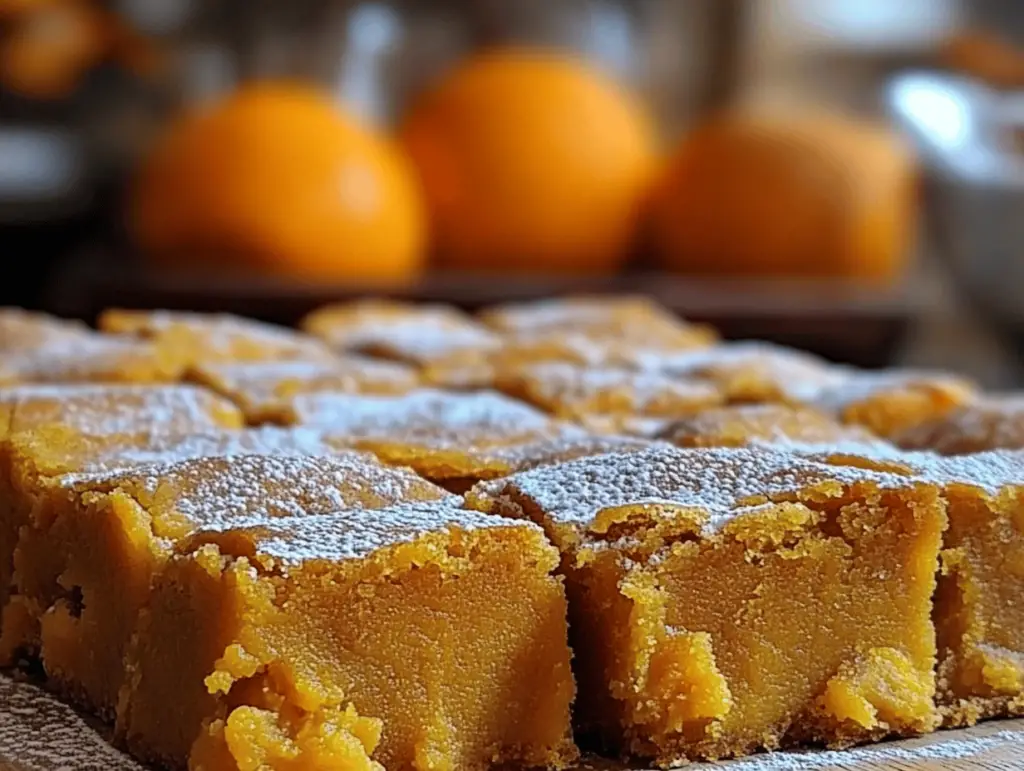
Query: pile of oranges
x=519, y=161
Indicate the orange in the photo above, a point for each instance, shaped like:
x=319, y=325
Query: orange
x=796, y=194
x=530, y=161
x=50, y=46
x=277, y=179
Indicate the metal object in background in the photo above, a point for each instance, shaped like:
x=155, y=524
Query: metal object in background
x=971, y=140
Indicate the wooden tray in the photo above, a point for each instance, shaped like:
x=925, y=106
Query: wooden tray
x=844, y=322
x=38, y=733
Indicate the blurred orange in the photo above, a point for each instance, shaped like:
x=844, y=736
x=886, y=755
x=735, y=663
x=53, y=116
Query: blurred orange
x=50, y=45
x=531, y=162
x=795, y=194
x=278, y=179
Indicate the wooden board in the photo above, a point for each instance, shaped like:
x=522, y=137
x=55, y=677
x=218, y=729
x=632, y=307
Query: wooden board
x=38, y=733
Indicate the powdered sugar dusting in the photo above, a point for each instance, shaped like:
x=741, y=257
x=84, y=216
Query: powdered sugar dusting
x=435, y=418
x=417, y=334
x=38, y=733
x=353, y=534
x=162, y=448
x=261, y=387
x=716, y=480
x=857, y=385
x=563, y=386
x=100, y=409
x=215, y=492
x=89, y=358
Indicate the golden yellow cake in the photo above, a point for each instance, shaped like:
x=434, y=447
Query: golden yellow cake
x=22, y=330
x=575, y=393
x=420, y=636
x=115, y=409
x=754, y=372
x=108, y=532
x=742, y=424
x=205, y=337
x=728, y=600
x=29, y=462
x=94, y=358
x=445, y=436
x=979, y=616
x=418, y=334
x=619, y=316
x=986, y=423
x=891, y=402
x=99, y=410
x=260, y=387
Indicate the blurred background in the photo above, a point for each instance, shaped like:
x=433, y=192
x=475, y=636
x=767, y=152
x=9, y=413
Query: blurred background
x=842, y=175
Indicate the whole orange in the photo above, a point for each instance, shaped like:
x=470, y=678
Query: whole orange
x=794, y=193
x=278, y=179
x=530, y=161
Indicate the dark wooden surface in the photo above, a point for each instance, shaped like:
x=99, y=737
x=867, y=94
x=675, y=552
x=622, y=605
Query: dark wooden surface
x=860, y=325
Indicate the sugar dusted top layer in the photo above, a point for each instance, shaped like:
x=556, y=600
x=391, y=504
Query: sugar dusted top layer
x=719, y=481
x=22, y=330
x=86, y=358
x=57, y=450
x=256, y=382
x=110, y=409
x=437, y=418
x=747, y=423
x=564, y=386
x=411, y=333
x=216, y=335
x=352, y=534
x=216, y=492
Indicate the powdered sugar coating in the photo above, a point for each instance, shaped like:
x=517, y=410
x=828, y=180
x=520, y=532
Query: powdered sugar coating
x=113, y=409
x=436, y=418
x=417, y=334
x=719, y=481
x=263, y=383
x=215, y=336
x=756, y=369
x=859, y=385
x=90, y=454
x=22, y=330
x=94, y=358
x=38, y=733
x=571, y=390
x=354, y=534
x=215, y=492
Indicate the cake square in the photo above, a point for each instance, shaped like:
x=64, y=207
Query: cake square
x=108, y=532
x=614, y=395
x=443, y=435
x=95, y=359
x=259, y=388
x=22, y=330
x=115, y=409
x=985, y=423
x=205, y=337
x=755, y=372
x=417, y=334
x=728, y=600
x=98, y=410
x=438, y=632
x=630, y=316
x=979, y=616
x=891, y=402
x=739, y=425
x=30, y=460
